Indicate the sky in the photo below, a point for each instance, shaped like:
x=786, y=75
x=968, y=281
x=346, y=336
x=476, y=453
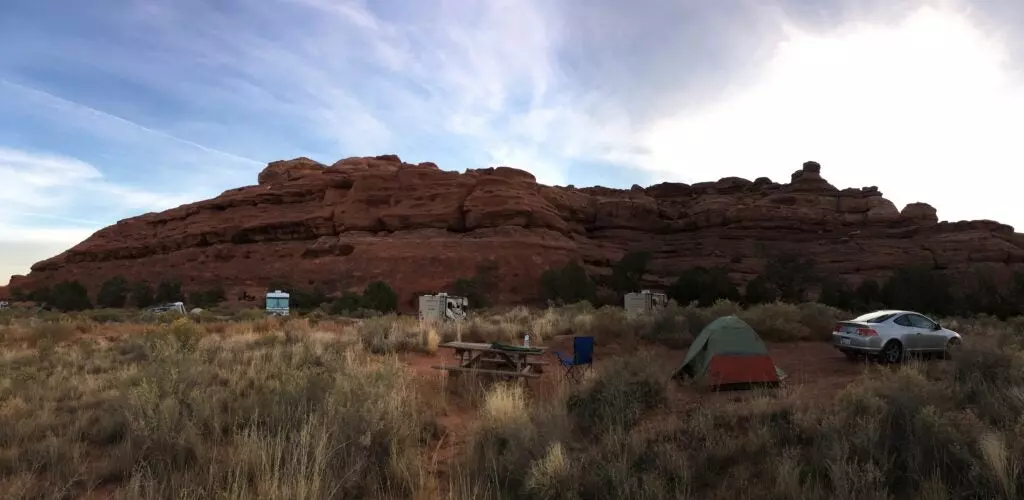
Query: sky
x=113, y=108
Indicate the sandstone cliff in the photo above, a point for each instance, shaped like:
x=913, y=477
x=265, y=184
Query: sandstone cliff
x=419, y=228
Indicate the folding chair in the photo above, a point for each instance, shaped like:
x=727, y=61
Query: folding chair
x=582, y=358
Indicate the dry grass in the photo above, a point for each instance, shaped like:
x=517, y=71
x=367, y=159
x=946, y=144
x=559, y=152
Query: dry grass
x=182, y=413
x=319, y=407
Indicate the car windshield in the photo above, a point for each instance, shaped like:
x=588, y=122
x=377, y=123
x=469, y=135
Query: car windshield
x=875, y=317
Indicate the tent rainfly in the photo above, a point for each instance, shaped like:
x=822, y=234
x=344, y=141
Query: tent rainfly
x=728, y=352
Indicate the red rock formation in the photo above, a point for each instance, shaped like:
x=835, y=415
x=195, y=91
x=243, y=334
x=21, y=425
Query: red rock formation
x=419, y=228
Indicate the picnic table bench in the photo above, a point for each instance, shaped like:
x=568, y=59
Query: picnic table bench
x=495, y=359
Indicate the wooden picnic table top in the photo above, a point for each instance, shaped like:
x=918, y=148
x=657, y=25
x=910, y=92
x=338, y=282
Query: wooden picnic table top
x=488, y=347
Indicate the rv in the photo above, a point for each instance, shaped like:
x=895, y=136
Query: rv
x=443, y=307
x=277, y=303
x=178, y=307
x=644, y=302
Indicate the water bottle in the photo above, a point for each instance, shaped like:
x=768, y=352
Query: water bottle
x=526, y=340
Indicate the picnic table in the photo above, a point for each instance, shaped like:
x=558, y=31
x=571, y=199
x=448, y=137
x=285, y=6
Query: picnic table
x=495, y=359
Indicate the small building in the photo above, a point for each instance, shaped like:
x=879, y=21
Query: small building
x=644, y=302
x=277, y=303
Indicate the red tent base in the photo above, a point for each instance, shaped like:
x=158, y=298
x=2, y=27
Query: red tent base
x=726, y=370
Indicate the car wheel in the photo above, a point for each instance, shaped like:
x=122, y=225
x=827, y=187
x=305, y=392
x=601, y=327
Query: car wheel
x=951, y=348
x=892, y=353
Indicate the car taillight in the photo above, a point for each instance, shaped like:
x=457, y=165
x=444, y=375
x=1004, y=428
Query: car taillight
x=867, y=332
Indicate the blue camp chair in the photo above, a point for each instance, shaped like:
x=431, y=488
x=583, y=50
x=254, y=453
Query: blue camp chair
x=582, y=357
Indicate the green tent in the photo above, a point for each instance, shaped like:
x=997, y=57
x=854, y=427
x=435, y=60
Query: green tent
x=728, y=351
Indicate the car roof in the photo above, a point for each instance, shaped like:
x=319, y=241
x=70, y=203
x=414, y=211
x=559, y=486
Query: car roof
x=883, y=312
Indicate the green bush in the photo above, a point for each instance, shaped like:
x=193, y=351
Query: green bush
x=113, y=293
x=168, y=291
x=379, y=296
x=142, y=295
x=703, y=286
x=567, y=285
x=69, y=296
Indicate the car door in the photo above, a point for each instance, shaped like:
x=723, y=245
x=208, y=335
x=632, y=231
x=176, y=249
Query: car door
x=910, y=335
x=933, y=339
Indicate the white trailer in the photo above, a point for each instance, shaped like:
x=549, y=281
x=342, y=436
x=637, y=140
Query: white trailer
x=277, y=303
x=443, y=307
x=4, y=305
x=644, y=302
x=178, y=307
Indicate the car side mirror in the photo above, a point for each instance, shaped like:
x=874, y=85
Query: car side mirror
x=937, y=327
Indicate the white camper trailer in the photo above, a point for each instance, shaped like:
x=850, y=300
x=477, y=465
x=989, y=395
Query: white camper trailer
x=177, y=307
x=443, y=307
x=277, y=303
x=644, y=302
x=4, y=304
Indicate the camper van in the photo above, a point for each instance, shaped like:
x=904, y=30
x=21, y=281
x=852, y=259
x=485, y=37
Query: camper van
x=443, y=307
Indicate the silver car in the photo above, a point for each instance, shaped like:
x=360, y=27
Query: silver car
x=892, y=335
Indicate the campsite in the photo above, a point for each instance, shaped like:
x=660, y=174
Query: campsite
x=121, y=404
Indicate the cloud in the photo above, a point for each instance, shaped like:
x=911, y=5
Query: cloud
x=46, y=199
x=34, y=181
x=926, y=108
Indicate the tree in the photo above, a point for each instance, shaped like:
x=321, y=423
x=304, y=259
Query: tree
x=470, y=289
x=379, y=296
x=705, y=286
x=628, y=272
x=70, y=296
x=760, y=291
x=568, y=284
x=919, y=288
x=348, y=302
x=868, y=295
x=169, y=291
x=142, y=295
x=836, y=292
x=208, y=298
x=791, y=275
x=113, y=293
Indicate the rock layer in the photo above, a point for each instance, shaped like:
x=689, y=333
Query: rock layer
x=419, y=228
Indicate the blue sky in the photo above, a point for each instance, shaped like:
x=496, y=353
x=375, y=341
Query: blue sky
x=111, y=108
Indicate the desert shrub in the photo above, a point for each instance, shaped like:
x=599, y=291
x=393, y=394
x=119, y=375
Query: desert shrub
x=782, y=322
x=836, y=292
x=113, y=293
x=703, y=286
x=107, y=315
x=168, y=291
x=142, y=295
x=777, y=322
x=619, y=396
x=347, y=303
x=921, y=289
x=52, y=332
x=379, y=296
x=698, y=318
x=668, y=326
x=628, y=272
x=207, y=298
x=391, y=333
x=512, y=436
x=69, y=296
x=567, y=285
x=760, y=291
